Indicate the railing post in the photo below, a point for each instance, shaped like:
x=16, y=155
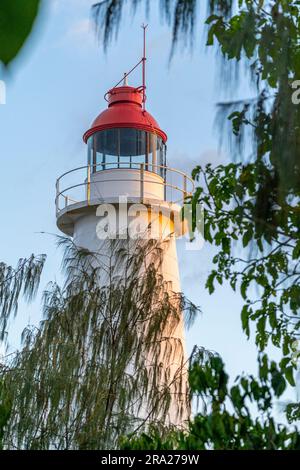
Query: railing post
x=184, y=186
x=142, y=182
x=57, y=197
x=153, y=149
x=88, y=192
x=165, y=183
x=66, y=201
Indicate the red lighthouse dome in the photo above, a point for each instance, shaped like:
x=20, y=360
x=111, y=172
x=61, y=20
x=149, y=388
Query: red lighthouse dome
x=125, y=110
x=125, y=135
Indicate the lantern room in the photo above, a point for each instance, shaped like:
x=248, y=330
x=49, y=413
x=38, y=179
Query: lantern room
x=125, y=135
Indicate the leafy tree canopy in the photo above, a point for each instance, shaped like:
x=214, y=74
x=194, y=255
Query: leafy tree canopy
x=232, y=418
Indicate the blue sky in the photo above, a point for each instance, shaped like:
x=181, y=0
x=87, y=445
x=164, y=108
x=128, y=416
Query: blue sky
x=54, y=90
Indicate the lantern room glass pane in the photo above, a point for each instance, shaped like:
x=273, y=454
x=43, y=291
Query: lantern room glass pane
x=126, y=148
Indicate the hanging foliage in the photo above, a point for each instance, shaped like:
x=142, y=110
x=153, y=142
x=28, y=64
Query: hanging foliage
x=237, y=417
x=22, y=281
x=100, y=364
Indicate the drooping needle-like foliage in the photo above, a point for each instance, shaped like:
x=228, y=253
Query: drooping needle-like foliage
x=101, y=363
x=23, y=280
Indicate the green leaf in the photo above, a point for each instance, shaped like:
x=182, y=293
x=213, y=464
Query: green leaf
x=286, y=345
x=212, y=18
x=278, y=383
x=263, y=368
x=245, y=320
x=16, y=21
x=244, y=287
x=296, y=251
x=247, y=237
x=289, y=373
x=210, y=282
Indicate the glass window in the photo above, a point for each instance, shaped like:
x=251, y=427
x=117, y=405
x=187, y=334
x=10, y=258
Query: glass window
x=126, y=148
x=90, y=150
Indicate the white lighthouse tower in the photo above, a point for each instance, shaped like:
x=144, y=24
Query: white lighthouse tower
x=126, y=161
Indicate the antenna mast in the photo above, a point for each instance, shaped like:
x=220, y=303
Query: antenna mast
x=143, y=62
x=144, y=66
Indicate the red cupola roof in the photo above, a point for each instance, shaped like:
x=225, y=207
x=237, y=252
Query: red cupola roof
x=125, y=110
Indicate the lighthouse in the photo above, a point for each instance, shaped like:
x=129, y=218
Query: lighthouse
x=127, y=171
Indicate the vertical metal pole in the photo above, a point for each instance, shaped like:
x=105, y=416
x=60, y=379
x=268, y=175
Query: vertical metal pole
x=88, y=193
x=66, y=201
x=57, y=197
x=154, y=159
x=147, y=149
x=94, y=154
x=184, y=186
x=144, y=67
x=142, y=182
x=164, y=151
x=119, y=147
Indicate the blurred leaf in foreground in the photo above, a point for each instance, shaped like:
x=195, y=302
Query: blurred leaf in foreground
x=16, y=21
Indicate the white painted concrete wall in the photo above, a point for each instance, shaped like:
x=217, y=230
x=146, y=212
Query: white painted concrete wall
x=120, y=181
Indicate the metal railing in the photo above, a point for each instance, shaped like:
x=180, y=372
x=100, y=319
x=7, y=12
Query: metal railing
x=184, y=187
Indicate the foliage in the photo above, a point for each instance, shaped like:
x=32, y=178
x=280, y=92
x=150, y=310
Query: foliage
x=5, y=410
x=258, y=202
x=180, y=13
x=23, y=280
x=102, y=362
x=237, y=417
x=17, y=19
x=265, y=36
x=268, y=278
x=229, y=194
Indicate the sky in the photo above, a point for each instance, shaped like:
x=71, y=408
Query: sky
x=54, y=91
